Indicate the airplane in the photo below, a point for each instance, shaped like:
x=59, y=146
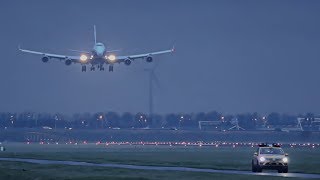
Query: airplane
x=97, y=57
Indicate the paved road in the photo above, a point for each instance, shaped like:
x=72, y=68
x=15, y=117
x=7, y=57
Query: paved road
x=162, y=168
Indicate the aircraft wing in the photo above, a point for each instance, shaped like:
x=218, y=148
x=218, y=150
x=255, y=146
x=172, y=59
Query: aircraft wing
x=53, y=56
x=142, y=56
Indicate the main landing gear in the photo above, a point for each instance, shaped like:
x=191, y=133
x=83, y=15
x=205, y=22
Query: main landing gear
x=101, y=68
x=110, y=68
x=93, y=68
x=84, y=68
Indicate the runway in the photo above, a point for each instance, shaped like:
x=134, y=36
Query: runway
x=162, y=168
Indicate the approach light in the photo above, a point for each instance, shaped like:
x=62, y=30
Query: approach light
x=285, y=160
x=111, y=57
x=262, y=159
x=83, y=58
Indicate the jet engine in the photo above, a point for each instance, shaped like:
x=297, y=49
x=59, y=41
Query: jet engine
x=45, y=59
x=127, y=62
x=68, y=62
x=149, y=59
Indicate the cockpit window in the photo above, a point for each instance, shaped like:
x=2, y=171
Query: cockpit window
x=271, y=151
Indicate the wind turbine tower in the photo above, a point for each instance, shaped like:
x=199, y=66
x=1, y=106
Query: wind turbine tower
x=153, y=80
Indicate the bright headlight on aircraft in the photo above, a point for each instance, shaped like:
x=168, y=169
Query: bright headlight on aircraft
x=83, y=58
x=285, y=160
x=111, y=57
x=262, y=159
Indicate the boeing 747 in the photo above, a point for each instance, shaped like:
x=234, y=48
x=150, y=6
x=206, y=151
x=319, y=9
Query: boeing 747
x=97, y=57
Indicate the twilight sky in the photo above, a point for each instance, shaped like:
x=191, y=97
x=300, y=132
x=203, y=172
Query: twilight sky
x=231, y=56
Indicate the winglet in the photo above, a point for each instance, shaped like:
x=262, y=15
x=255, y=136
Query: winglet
x=19, y=47
x=173, y=49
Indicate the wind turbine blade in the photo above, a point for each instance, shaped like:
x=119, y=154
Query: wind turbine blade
x=79, y=51
x=115, y=50
x=156, y=65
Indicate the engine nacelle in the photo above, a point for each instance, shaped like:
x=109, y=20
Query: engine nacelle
x=68, y=62
x=149, y=59
x=45, y=59
x=127, y=62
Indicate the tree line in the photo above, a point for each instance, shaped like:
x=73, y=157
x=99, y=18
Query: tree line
x=103, y=120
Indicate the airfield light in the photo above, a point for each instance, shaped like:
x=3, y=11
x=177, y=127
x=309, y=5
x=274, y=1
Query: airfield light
x=83, y=58
x=262, y=159
x=111, y=57
x=285, y=160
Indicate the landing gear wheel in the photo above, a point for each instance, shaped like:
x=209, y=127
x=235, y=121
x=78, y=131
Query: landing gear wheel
x=254, y=169
x=84, y=68
x=101, y=68
x=259, y=169
x=110, y=68
x=280, y=170
x=285, y=170
x=92, y=68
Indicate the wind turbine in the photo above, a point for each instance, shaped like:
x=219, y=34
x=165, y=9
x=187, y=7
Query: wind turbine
x=153, y=80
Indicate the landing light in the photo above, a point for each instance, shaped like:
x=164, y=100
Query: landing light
x=111, y=57
x=83, y=58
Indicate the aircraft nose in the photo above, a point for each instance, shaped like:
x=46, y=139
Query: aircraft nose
x=99, y=53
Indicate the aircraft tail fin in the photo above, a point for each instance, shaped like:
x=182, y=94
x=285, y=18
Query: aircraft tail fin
x=95, y=34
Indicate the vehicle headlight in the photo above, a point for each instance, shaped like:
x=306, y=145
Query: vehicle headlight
x=262, y=159
x=285, y=160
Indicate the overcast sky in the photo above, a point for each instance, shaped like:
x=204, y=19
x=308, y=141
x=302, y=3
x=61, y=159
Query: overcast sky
x=231, y=56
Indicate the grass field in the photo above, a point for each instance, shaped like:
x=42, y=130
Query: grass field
x=301, y=160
